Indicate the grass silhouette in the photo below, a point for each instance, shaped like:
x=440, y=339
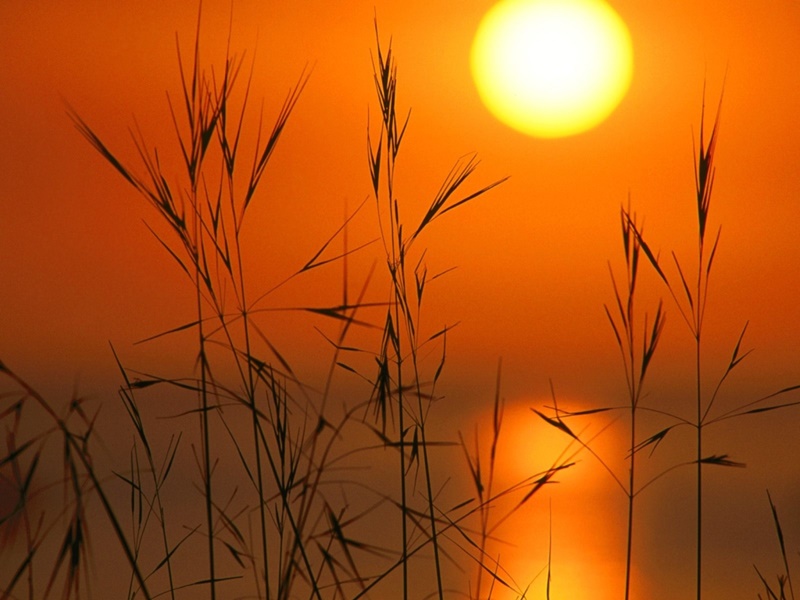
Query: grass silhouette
x=639, y=349
x=296, y=534
x=312, y=510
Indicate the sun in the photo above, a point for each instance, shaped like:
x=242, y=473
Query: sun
x=552, y=68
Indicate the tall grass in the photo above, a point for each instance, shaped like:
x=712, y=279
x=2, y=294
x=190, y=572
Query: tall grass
x=287, y=529
x=301, y=518
x=784, y=580
x=638, y=348
x=399, y=381
x=80, y=480
x=690, y=296
x=205, y=216
x=637, y=342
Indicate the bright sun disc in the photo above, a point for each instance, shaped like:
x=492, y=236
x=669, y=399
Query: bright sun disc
x=552, y=68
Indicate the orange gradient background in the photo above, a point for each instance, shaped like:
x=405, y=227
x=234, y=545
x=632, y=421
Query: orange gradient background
x=79, y=270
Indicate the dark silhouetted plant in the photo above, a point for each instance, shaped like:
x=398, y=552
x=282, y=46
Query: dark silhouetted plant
x=783, y=580
x=690, y=298
x=289, y=526
x=282, y=527
x=693, y=311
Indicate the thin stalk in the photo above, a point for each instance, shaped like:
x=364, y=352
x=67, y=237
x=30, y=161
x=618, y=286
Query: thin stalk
x=403, y=491
x=397, y=341
x=699, y=501
x=699, y=425
x=631, y=496
x=692, y=310
x=386, y=88
x=251, y=399
x=701, y=295
x=204, y=429
x=428, y=483
x=634, y=392
x=635, y=363
x=485, y=495
x=158, y=475
x=249, y=379
x=229, y=147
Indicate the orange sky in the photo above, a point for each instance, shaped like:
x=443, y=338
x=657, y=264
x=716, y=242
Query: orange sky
x=80, y=270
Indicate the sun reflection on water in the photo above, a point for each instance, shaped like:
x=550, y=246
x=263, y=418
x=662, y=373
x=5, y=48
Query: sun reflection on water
x=578, y=519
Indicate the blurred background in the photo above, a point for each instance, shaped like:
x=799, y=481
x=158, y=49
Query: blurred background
x=79, y=270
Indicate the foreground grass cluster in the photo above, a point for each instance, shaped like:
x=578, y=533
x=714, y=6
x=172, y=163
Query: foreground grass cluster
x=295, y=497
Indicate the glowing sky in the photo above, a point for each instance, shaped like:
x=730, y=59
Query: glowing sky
x=78, y=269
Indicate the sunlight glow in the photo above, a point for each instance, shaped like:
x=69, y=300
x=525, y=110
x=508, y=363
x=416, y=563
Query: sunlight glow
x=584, y=566
x=552, y=68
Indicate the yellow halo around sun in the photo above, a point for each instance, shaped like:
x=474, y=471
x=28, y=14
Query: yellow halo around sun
x=552, y=68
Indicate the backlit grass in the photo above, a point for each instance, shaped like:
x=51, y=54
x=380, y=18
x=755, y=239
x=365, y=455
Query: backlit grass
x=242, y=479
